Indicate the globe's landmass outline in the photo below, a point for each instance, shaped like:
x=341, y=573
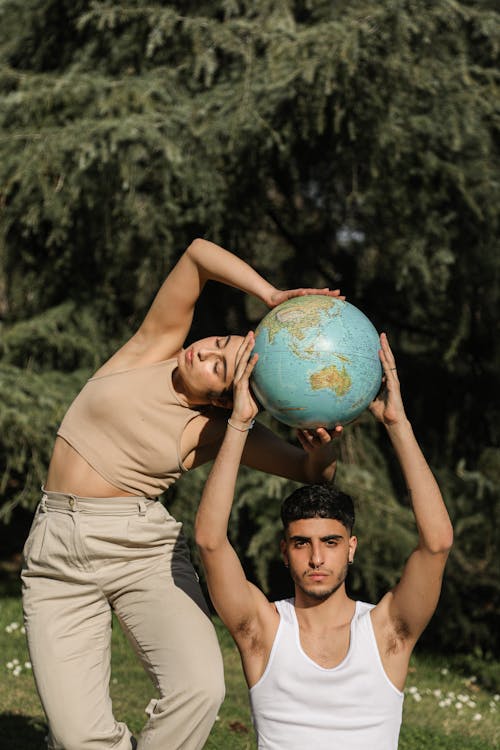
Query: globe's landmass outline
x=297, y=319
x=293, y=332
x=338, y=381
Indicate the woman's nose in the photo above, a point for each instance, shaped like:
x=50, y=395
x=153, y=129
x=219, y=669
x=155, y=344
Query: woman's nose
x=207, y=352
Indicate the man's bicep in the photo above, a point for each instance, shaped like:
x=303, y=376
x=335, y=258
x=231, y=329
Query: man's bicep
x=236, y=600
x=415, y=597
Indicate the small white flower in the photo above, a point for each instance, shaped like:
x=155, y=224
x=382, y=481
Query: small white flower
x=23, y=630
x=458, y=706
x=10, y=665
x=412, y=690
x=437, y=693
x=477, y=717
x=15, y=661
x=27, y=665
x=496, y=697
x=471, y=704
x=417, y=697
x=444, y=671
x=17, y=671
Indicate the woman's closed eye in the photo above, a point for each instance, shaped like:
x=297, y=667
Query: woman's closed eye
x=220, y=368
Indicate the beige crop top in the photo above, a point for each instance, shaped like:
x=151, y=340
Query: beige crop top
x=128, y=425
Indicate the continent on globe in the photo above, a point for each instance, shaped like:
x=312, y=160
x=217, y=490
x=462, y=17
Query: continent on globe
x=331, y=377
x=298, y=318
x=318, y=362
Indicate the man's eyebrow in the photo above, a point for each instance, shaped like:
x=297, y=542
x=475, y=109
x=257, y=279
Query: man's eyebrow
x=331, y=536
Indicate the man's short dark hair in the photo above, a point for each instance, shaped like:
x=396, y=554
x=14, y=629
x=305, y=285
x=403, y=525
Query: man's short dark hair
x=318, y=501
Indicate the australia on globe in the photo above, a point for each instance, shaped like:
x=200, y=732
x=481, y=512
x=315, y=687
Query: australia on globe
x=318, y=362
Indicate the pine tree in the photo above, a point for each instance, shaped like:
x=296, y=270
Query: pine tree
x=350, y=144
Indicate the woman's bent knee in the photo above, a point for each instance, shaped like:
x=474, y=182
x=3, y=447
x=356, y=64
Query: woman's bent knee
x=83, y=738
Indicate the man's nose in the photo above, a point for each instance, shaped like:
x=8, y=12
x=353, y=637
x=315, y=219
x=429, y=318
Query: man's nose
x=316, y=558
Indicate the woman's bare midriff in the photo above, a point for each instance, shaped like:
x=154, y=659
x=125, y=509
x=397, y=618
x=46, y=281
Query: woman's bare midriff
x=70, y=473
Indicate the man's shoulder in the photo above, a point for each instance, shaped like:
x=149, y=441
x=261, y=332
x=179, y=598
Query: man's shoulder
x=285, y=608
x=363, y=607
x=284, y=603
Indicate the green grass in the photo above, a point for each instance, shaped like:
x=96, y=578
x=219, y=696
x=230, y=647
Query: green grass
x=427, y=725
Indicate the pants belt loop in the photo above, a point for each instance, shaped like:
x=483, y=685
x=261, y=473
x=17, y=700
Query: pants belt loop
x=72, y=503
x=151, y=707
x=43, y=503
x=142, y=508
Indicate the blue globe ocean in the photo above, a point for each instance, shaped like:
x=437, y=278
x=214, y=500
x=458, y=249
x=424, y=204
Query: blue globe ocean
x=318, y=362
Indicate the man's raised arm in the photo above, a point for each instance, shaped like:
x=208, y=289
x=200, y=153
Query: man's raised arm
x=413, y=600
x=236, y=600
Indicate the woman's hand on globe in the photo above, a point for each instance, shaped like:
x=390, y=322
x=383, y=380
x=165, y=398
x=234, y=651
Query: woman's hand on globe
x=320, y=447
x=244, y=405
x=388, y=407
x=280, y=296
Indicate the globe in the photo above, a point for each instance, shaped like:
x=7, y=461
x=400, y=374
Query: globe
x=318, y=362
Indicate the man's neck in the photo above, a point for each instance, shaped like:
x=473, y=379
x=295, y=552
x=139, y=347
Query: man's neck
x=333, y=611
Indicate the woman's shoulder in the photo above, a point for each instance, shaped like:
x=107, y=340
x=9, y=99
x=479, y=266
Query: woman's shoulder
x=137, y=353
x=121, y=362
x=208, y=425
x=202, y=436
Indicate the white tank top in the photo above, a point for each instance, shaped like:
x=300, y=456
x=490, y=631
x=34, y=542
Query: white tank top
x=299, y=705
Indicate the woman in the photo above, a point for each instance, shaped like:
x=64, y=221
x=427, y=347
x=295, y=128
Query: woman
x=101, y=543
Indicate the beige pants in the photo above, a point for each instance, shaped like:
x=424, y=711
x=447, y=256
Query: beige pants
x=85, y=557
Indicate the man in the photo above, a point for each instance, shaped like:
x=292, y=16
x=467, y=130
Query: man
x=324, y=671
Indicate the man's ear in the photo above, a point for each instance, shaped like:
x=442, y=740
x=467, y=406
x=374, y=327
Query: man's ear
x=284, y=553
x=353, y=543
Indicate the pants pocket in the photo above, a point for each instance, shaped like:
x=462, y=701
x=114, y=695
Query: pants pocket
x=33, y=546
x=153, y=528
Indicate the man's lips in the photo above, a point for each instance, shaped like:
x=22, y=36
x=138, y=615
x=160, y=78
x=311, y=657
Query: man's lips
x=189, y=356
x=317, y=576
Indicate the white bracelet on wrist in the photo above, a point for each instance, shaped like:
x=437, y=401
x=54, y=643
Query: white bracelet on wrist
x=246, y=429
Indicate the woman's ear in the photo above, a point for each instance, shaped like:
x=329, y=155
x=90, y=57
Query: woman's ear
x=224, y=401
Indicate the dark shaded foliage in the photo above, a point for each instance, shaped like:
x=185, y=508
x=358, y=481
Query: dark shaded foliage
x=351, y=144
